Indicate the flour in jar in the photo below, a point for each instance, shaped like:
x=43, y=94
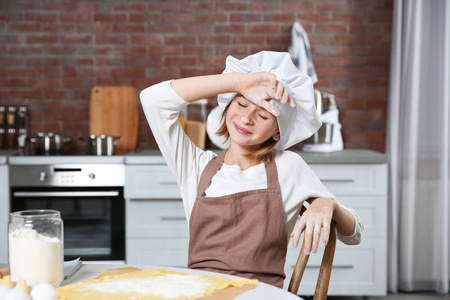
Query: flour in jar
x=35, y=256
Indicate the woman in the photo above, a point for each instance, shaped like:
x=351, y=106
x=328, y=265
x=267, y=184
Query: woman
x=242, y=203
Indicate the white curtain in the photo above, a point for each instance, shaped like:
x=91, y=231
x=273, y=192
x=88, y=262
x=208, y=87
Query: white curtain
x=418, y=144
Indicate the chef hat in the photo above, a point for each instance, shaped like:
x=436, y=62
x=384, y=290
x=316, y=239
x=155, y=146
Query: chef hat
x=295, y=124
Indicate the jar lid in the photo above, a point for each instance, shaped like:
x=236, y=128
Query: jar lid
x=35, y=213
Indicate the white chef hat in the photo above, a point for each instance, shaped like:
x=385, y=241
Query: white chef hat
x=295, y=124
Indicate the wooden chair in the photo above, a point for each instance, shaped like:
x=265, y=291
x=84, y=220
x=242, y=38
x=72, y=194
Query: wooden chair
x=323, y=280
x=3, y=272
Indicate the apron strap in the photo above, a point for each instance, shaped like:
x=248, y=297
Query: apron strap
x=272, y=175
x=210, y=170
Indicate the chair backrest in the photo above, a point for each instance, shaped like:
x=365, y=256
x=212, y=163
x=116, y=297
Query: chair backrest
x=323, y=279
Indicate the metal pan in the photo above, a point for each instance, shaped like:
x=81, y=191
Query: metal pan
x=49, y=143
x=102, y=144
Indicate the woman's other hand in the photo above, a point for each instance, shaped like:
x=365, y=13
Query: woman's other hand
x=261, y=87
x=318, y=216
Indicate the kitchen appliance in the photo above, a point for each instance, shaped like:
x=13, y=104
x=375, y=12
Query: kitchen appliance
x=89, y=196
x=328, y=138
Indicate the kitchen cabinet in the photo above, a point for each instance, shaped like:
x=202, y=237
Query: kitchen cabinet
x=157, y=234
x=4, y=211
x=360, y=269
x=156, y=227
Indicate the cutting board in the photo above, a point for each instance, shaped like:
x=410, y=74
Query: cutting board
x=113, y=110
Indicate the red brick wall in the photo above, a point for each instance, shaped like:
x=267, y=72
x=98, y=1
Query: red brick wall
x=53, y=52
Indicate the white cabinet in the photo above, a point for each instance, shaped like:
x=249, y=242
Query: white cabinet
x=4, y=212
x=157, y=231
x=360, y=269
x=156, y=226
x=150, y=182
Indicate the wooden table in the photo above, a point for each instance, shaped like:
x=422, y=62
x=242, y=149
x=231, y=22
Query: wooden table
x=261, y=292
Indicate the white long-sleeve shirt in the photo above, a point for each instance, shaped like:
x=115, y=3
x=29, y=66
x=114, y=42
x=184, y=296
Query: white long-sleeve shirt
x=297, y=181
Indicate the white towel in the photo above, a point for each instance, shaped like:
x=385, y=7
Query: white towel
x=300, y=52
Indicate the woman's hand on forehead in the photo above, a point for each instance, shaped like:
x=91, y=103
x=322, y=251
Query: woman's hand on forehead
x=261, y=87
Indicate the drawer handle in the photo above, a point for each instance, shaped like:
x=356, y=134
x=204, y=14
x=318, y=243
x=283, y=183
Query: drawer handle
x=173, y=218
x=334, y=267
x=167, y=183
x=338, y=180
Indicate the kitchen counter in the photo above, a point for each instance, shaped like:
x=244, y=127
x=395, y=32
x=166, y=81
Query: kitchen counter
x=4, y=154
x=65, y=159
x=347, y=156
x=144, y=157
x=12, y=157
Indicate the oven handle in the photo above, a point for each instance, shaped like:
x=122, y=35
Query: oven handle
x=66, y=194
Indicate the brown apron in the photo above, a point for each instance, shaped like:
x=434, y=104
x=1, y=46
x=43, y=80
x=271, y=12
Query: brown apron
x=242, y=234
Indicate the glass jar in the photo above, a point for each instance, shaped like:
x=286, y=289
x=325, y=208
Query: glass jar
x=36, y=251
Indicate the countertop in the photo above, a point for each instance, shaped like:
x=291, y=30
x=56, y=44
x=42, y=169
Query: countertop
x=347, y=156
x=65, y=159
x=4, y=154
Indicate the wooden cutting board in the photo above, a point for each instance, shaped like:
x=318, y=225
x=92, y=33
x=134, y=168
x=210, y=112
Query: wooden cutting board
x=113, y=110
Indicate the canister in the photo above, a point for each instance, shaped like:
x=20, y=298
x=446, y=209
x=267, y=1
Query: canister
x=36, y=246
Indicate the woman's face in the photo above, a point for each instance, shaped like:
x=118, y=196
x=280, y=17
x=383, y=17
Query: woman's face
x=249, y=124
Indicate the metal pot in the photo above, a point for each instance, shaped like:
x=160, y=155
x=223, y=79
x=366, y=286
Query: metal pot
x=48, y=143
x=102, y=144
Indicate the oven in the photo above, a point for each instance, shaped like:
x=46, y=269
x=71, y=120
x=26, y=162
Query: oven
x=90, y=199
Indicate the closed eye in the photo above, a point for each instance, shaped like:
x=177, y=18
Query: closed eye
x=263, y=117
x=240, y=104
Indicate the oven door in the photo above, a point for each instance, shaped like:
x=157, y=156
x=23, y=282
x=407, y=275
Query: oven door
x=94, y=218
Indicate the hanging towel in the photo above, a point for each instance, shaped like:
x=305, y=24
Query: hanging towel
x=300, y=52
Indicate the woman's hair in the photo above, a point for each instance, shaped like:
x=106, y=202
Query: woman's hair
x=264, y=154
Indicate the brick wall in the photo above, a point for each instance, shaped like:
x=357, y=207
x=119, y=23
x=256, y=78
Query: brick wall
x=53, y=52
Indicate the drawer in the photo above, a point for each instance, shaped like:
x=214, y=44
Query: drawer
x=150, y=182
x=157, y=252
x=373, y=212
x=362, y=180
x=152, y=218
x=357, y=270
